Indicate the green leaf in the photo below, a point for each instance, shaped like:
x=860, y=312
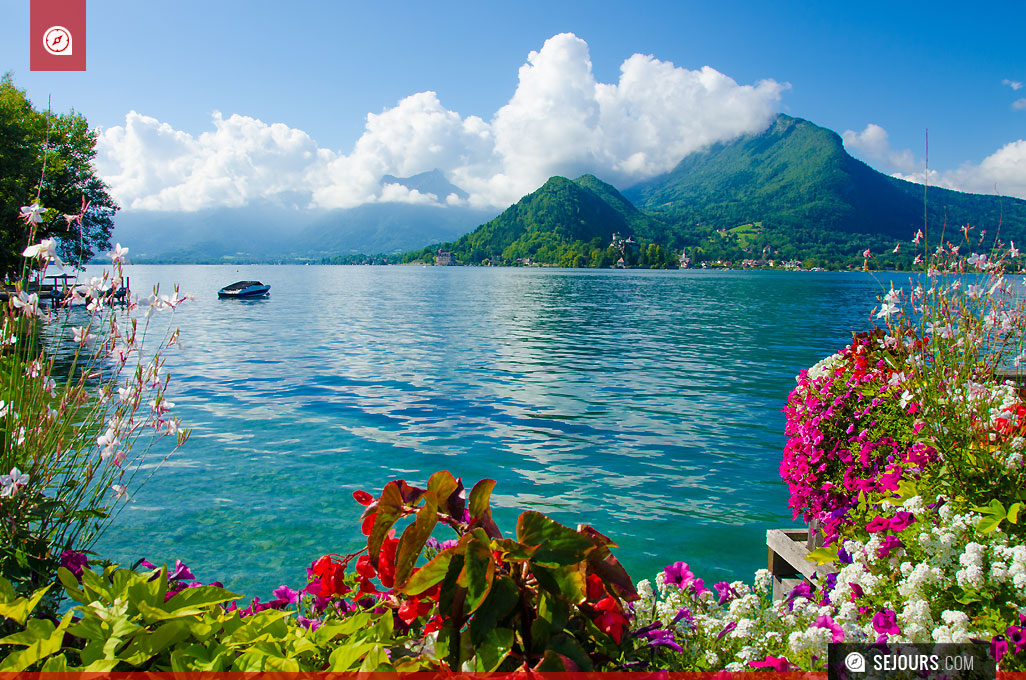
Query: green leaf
x=145, y=646
x=430, y=574
x=988, y=523
x=200, y=658
x=443, y=484
x=511, y=551
x=824, y=555
x=1013, y=513
x=493, y=650
x=55, y=664
x=46, y=641
x=480, y=496
x=558, y=545
x=7, y=593
x=348, y=655
x=412, y=541
x=569, y=582
x=376, y=661
x=501, y=601
x=71, y=585
x=568, y=648
x=20, y=608
x=478, y=572
x=199, y=597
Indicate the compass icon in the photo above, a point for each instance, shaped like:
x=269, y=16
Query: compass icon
x=57, y=41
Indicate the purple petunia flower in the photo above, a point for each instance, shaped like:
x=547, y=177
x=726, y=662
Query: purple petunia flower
x=285, y=593
x=181, y=572
x=678, y=574
x=836, y=633
x=889, y=544
x=885, y=622
x=310, y=624
x=74, y=562
x=725, y=592
x=902, y=520
x=684, y=615
x=662, y=638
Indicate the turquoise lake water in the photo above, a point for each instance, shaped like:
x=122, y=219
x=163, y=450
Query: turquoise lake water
x=645, y=403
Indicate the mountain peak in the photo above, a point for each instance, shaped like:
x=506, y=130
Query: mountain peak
x=430, y=182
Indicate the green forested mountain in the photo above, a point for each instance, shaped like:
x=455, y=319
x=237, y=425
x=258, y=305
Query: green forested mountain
x=813, y=200
x=790, y=192
x=564, y=222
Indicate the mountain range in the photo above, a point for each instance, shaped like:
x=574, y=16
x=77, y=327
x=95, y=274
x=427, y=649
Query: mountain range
x=788, y=192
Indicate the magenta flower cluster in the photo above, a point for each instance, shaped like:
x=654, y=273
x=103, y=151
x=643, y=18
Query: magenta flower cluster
x=850, y=429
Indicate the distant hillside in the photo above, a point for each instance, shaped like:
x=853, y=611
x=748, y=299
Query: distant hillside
x=274, y=234
x=431, y=182
x=809, y=195
x=564, y=222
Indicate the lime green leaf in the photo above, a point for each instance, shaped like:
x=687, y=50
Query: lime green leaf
x=55, y=664
x=349, y=655
x=20, y=608
x=824, y=555
x=200, y=658
x=144, y=647
x=412, y=541
x=1013, y=513
x=47, y=640
x=7, y=593
x=199, y=597
x=35, y=630
x=988, y=523
x=71, y=585
x=376, y=661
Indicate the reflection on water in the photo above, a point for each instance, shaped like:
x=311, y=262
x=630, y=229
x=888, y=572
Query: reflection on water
x=644, y=403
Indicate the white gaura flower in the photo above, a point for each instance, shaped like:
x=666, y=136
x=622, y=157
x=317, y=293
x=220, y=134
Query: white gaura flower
x=27, y=304
x=11, y=482
x=119, y=490
x=974, y=291
x=978, y=261
x=32, y=214
x=118, y=254
x=1013, y=251
x=45, y=250
x=887, y=310
x=82, y=336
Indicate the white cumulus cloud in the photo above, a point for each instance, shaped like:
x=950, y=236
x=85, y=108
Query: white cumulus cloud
x=1003, y=172
x=560, y=120
x=872, y=143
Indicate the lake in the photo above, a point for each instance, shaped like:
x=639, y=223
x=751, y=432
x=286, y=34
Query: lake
x=645, y=403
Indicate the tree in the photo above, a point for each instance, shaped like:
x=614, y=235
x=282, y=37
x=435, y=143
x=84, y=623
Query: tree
x=28, y=138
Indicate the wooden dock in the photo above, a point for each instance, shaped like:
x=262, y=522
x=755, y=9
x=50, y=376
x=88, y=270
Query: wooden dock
x=788, y=559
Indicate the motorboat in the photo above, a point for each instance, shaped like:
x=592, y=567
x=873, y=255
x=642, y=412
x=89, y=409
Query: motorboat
x=244, y=289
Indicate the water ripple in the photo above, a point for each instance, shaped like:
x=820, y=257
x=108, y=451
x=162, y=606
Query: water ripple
x=644, y=403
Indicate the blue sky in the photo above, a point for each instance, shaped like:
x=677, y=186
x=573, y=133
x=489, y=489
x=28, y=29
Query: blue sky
x=319, y=68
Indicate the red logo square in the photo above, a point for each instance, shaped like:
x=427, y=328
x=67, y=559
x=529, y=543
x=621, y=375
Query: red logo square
x=57, y=40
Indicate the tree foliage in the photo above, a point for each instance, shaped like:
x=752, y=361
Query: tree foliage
x=28, y=139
